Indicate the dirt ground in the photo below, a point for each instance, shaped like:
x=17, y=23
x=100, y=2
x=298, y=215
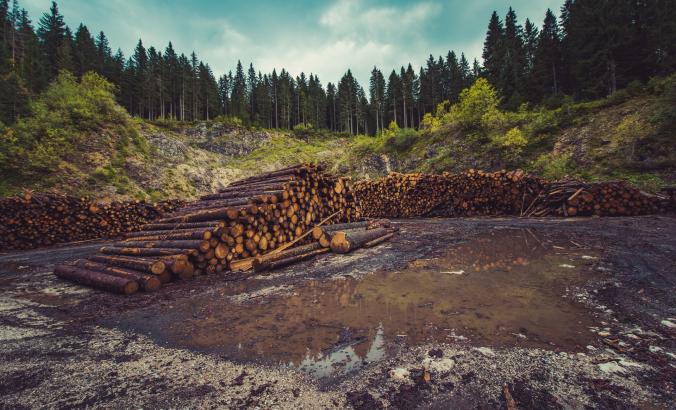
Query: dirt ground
x=451, y=313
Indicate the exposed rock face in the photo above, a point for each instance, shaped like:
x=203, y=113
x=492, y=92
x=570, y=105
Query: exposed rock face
x=227, y=140
x=168, y=147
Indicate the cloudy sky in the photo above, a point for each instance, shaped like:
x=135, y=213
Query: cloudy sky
x=323, y=37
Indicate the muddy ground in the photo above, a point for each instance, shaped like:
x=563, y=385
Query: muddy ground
x=565, y=313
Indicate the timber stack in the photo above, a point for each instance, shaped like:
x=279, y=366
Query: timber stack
x=478, y=193
x=34, y=220
x=224, y=231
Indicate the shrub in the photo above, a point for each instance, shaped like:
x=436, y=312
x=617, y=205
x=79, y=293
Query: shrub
x=628, y=133
x=62, y=117
x=229, y=120
x=430, y=122
x=553, y=166
x=401, y=140
x=476, y=101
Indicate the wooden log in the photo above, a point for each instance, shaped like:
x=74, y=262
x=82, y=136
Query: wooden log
x=98, y=280
x=155, y=267
x=175, y=234
x=146, y=251
x=183, y=225
x=318, y=231
x=181, y=244
x=347, y=241
x=147, y=282
x=378, y=240
x=263, y=262
x=297, y=258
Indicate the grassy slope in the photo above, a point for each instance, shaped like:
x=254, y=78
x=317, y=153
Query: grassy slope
x=624, y=138
x=627, y=137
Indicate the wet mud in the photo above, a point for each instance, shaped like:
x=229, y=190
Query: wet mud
x=565, y=312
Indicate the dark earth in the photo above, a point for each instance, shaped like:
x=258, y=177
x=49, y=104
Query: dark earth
x=566, y=313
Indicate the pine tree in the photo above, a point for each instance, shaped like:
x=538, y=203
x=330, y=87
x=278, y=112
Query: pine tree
x=530, y=42
x=31, y=63
x=469, y=75
x=512, y=76
x=600, y=45
x=331, y=106
x=52, y=34
x=377, y=95
x=239, y=92
x=224, y=94
x=456, y=74
x=85, y=53
x=545, y=73
x=171, y=79
x=14, y=98
x=139, y=68
x=251, y=82
x=64, y=55
x=103, y=56
x=392, y=95
x=494, y=51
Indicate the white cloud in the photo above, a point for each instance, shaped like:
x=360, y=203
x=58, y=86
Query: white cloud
x=355, y=19
x=331, y=60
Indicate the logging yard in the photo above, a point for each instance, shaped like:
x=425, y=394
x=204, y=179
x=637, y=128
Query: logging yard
x=301, y=288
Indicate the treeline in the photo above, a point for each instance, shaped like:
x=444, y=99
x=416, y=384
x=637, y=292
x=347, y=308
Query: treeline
x=594, y=48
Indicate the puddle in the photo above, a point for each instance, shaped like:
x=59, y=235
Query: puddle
x=500, y=289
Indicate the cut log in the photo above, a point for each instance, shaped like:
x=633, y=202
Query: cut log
x=98, y=280
x=147, y=282
x=297, y=258
x=378, y=241
x=263, y=262
x=146, y=251
x=155, y=267
x=347, y=241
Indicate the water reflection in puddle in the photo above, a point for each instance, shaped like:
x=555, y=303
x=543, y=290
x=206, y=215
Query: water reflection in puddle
x=505, y=288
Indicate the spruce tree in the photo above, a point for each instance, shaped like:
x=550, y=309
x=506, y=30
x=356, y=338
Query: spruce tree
x=545, y=74
x=467, y=73
x=377, y=95
x=494, y=51
x=239, y=93
x=85, y=53
x=52, y=33
x=392, y=95
x=512, y=75
x=103, y=56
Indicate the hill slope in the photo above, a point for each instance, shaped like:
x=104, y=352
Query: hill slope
x=79, y=141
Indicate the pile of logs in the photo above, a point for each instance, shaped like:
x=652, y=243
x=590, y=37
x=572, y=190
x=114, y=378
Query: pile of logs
x=574, y=198
x=477, y=193
x=225, y=231
x=34, y=220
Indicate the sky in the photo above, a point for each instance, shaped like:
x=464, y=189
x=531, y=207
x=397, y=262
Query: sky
x=321, y=37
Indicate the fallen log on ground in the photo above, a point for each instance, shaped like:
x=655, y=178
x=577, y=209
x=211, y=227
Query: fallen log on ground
x=98, y=280
x=347, y=241
x=146, y=282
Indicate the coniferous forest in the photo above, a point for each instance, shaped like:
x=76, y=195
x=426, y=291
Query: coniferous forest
x=588, y=49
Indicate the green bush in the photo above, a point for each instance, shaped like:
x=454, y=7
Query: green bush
x=553, y=166
x=64, y=116
x=229, y=120
x=401, y=140
x=475, y=102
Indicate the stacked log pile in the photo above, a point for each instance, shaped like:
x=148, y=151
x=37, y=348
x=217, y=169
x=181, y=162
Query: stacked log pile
x=477, y=193
x=34, y=220
x=225, y=231
x=574, y=198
